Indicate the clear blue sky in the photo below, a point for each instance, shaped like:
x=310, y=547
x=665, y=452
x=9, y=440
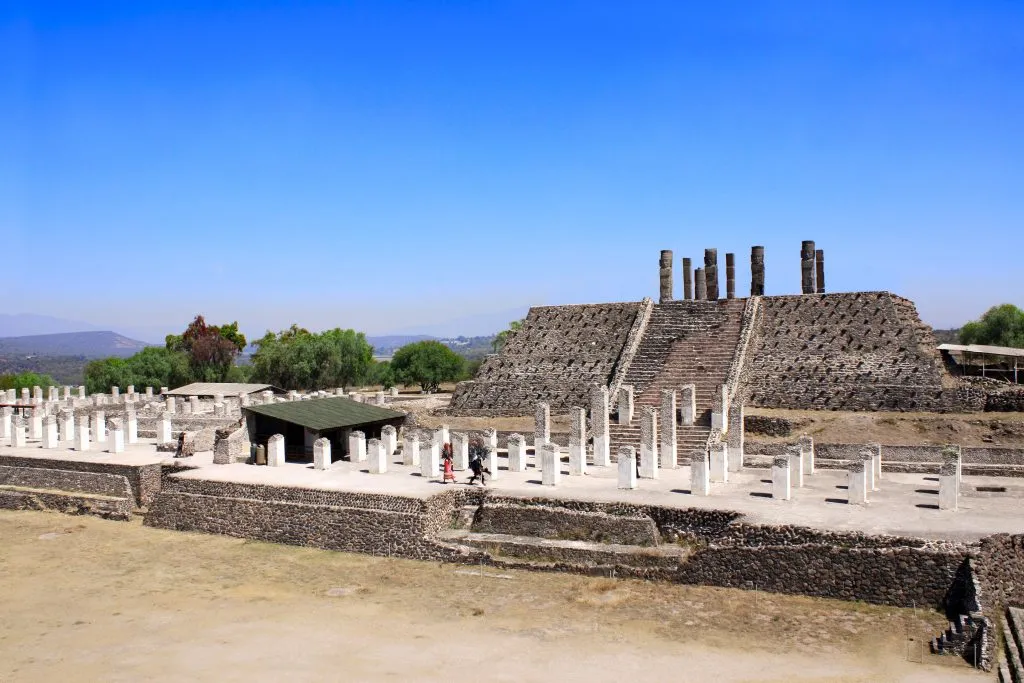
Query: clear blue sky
x=390, y=166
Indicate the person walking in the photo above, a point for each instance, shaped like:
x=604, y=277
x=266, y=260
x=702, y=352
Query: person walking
x=448, y=461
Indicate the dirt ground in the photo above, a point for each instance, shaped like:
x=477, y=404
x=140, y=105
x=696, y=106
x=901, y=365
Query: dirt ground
x=86, y=599
x=902, y=429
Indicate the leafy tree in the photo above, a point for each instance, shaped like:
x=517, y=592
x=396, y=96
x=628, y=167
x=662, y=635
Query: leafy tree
x=999, y=326
x=502, y=337
x=298, y=359
x=427, y=363
x=211, y=349
x=382, y=374
x=158, y=367
x=25, y=380
x=102, y=374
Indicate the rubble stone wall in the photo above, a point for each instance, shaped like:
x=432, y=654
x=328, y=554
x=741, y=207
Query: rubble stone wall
x=143, y=479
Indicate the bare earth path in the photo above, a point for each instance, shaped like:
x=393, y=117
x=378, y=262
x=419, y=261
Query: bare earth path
x=85, y=600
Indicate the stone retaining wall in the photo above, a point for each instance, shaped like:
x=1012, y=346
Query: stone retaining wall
x=144, y=480
x=96, y=483
x=520, y=520
x=66, y=503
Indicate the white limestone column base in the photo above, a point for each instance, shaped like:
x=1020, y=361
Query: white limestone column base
x=735, y=459
x=321, y=454
x=275, y=451
x=357, y=447
x=719, y=464
x=377, y=455
x=857, y=487
x=602, y=451
x=948, y=493
x=648, y=461
x=796, y=469
x=491, y=462
x=700, y=475
x=116, y=441
x=627, y=468
x=430, y=460
x=782, y=486
x=577, y=460
x=551, y=464
x=50, y=439
x=411, y=451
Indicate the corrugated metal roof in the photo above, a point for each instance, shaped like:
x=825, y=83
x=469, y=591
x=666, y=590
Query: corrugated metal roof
x=226, y=388
x=982, y=348
x=319, y=414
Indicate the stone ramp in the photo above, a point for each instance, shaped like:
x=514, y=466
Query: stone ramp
x=1011, y=668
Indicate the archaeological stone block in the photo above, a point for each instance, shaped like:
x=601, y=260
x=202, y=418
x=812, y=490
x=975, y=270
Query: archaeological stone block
x=541, y=428
x=82, y=434
x=627, y=467
x=857, y=483
x=700, y=474
x=322, y=454
x=357, y=446
x=377, y=456
x=806, y=443
x=50, y=439
x=551, y=465
x=430, y=458
x=665, y=276
x=625, y=404
x=687, y=279
x=649, y=443
x=599, y=425
x=389, y=439
x=460, y=451
x=735, y=436
x=578, y=442
x=411, y=449
x=796, y=466
x=949, y=490
x=275, y=451
x=781, y=483
x=668, y=455
x=688, y=404
x=718, y=459
x=99, y=427
x=163, y=429
x=516, y=453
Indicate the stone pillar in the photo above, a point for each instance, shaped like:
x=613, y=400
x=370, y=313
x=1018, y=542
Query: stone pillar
x=541, y=428
x=491, y=438
x=268, y=396
x=807, y=267
x=757, y=271
x=339, y=391
x=460, y=451
x=37, y=395
x=951, y=453
x=781, y=486
x=551, y=464
x=578, y=442
x=688, y=404
x=67, y=425
x=719, y=408
x=711, y=273
x=687, y=279
x=430, y=458
x=394, y=392
x=700, y=474
x=857, y=483
x=876, y=463
x=735, y=436
x=26, y=395
x=99, y=427
x=700, y=285
x=51, y=393
x=115, y=393
x=66, y=392
x=868, y=456
x=669, y=457
x=149, y=393
x=357, y=446
x=163, y=429
x=599, y=426
x=275, y=451
x=806, y=444
x=380, y=399
x=625, y=403
x=82, y=434
x=411, y=449
x=220, y=410
x=116, y=440
x=389, y=438
x=81, y=391
x=441, y=436
x=377, y=456
x=949, y=489
x=5, y=423
x=627, y=467
x=35, y=425
x=170, y=405
x=665, y=275
x=243, y=400
x=322, y=454
x=719, y=461
x=50, y=439
x=649, y=443
x=193, y=402
x=491, y=462
x=819, y=262
x=516, y=453
x=730, y=276
x=796, y=466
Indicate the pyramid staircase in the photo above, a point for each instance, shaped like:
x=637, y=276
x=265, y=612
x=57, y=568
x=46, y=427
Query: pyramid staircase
x=1011, y=669
x=685, y=342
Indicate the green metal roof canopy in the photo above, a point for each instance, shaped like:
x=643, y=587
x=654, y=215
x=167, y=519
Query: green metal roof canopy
x=320, y=414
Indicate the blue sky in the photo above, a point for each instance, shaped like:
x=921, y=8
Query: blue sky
x=396, y=166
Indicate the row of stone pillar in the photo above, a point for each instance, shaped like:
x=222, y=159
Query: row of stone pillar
x=52, y=430
x=702, y=283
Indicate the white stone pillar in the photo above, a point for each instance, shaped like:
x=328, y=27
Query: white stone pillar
x=668, y=456
x=380, y=398
x=719, y=408
x=394, y=392
x=357, y=446
x=339, y=391
x=149, y=393
x=876, y=464
x=796, y=466
x=66, y=392
x=51, y=393
x=719, y=461
x=491, y=462
x=781, y=483
x=411, y=449
x=163, y=428
x=700, y=474
x=50, y=439
x=131, y=424
x=599, y=426
x=99, y=427
x=170, y=405
x=322, y=454
x=115, y=393
x=460, y=451
x=243, y=400
x=578, y=442
x=735, y=436
x=868, y=456
x=949, y=490
x=268, y=396
x=688, y=404
x=625, y=402
x=67, y=425
x=82, y=434
x=442, y=436
x=389, y=439
x=5, y=423
x=516, y=453
x=376, y=452
x=551, y=464
x=952, y=453
x=81, y=391
x=627, y=467
x=26, y=395
x=275, y=451
x=116, y=440
x=37, y=395
x=857, y=483
x=806, y=444
x=541, y=428
x=649, y=443
x=193, y=402
x=491, y=438
x=430, y=458
x=35, y=425
x=219, y=410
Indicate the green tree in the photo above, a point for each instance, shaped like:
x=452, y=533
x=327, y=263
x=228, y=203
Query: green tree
x=158, y=367
x=999, y=326
x=298, y=359
x=102, y=374
x=25, y=380
x=427, y=363
x=499, y=341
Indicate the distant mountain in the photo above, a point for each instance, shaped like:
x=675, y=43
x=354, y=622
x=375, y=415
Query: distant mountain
x=385, y=345
x=947, y=336
x=22, y=324
x=87, y=344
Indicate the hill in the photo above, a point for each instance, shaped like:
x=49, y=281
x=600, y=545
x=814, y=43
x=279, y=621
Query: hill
x=84, y=344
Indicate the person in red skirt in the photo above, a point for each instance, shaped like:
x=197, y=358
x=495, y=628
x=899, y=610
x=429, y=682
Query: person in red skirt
x=448, y=460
